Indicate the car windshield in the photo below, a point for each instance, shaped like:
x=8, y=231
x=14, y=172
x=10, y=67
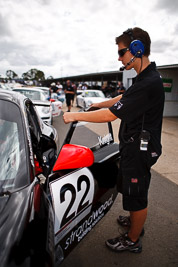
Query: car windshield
x=32, y=94
x=13, y=171
x=94, y=94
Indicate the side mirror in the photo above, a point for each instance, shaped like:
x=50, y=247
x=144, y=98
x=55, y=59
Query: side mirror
x=73, y=157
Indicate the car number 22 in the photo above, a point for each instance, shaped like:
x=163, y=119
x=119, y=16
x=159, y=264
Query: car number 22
x=72, y=196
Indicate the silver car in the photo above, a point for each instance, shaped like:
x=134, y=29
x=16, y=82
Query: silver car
x=88, y=97
x=38, y=97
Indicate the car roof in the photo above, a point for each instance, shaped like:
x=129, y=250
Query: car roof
x=15, y=97
x=41, y=88
x=12, y=96
x=29, y=89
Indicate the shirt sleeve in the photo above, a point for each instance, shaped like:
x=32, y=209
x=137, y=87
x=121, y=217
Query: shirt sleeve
x=132, y=105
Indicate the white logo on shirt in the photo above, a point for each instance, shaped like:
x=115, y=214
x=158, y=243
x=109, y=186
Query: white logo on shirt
x=118, y=105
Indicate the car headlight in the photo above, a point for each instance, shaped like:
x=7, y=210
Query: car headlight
x=45, y=110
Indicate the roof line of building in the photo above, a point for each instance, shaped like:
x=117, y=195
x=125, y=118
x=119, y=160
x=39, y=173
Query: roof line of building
x=113, y=72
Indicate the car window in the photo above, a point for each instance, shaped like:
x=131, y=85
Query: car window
x=33, y=95
x=13, y=171
x=100, y=94
x=94, y=94
x=91, y=135
x=34, y=122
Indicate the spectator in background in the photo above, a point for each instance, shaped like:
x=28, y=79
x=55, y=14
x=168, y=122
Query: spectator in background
x=69, y=92
x=120, y=88
x=84, y=86
x=75, y=92
x=54, y=88
x=59, y=86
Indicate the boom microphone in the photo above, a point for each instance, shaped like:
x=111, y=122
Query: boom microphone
x=124, y=67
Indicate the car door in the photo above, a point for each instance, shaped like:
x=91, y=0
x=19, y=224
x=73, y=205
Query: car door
x=44, y=146
x=83, y=185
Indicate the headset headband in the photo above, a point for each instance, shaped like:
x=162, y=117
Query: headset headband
x=130, y=33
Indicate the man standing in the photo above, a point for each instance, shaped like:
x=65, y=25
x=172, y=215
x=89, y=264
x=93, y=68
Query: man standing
x=120, y=88
x=140, y=109
x=69, y=92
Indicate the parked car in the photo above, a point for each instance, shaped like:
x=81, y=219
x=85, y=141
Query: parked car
x=88, y=97
x=56, y=100
x=60, y=96
x=46, y=90
x=48, y=205
x=56, y=105
x=44, y=107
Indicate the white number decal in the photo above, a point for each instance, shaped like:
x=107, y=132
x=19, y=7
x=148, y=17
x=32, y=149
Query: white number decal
x=72, y=197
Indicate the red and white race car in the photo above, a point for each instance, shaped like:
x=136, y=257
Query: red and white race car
x=56, y=105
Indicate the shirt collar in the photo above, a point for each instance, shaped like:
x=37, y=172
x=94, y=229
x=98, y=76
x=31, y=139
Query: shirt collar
x=149, y=68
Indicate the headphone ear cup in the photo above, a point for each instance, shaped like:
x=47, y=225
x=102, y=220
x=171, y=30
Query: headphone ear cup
x=137, y=48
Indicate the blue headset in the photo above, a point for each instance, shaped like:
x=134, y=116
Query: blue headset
x=136, y=46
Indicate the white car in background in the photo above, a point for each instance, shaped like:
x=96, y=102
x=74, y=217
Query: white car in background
x=60, y=96
x=55, y=99
x=88, y=97
x=38, y=97
x=46, y=90
x=56, y=105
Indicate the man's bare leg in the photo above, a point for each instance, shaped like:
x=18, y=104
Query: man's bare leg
x=137, y=219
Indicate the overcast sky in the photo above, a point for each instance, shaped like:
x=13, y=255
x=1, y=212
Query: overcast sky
x=71, y=37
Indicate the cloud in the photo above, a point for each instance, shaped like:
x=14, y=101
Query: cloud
x=161, y=45
x=170, y=6
x=4, y=26
x=79, y=36
x=176, y=30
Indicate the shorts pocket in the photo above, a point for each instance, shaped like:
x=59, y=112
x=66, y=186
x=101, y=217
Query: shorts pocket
x=136, y=186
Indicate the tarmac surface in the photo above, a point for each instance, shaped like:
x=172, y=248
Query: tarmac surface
x=160, y=242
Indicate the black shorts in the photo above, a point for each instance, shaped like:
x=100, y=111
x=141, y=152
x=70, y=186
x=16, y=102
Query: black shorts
x=69, y=98
x=135, y=175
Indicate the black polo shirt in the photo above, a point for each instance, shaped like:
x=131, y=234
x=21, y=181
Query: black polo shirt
x=142, y=103
x=69, y=88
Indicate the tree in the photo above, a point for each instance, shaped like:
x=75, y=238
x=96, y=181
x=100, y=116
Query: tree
x=34, y=74
x=40, y=75
x=10, y=74
x=50, y=78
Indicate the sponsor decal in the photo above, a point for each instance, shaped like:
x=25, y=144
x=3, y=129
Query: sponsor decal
x=105, y=140
x=118, y=105
x=30, y=148
x=154, y=154
x=167, y=84
x=72, y=196
x=29, y=138
x=88, y=224
x=134, y=180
